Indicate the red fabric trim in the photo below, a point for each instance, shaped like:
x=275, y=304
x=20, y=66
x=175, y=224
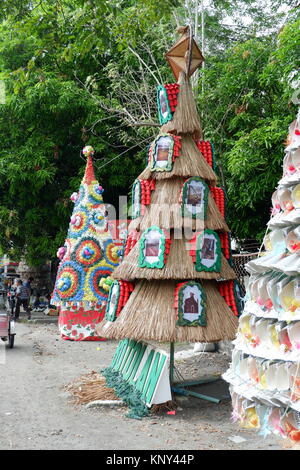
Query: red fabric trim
x=68, y=319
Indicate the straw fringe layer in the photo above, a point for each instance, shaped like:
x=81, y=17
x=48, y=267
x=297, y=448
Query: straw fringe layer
x=179, y=265
x=149, y=315
x=90, y=387
x=190, y=162
x=165, y=210
x=185, y=118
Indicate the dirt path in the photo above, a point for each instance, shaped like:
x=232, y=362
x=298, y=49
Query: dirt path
x=36, y=412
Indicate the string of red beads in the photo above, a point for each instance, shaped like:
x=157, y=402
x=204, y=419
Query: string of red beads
x=132, y=239
x=177, y=288
x=193, y=244
x=167, y=246
x=125, y=290
x=206, y=149
x=219, y=198
x=226, y=290
x=225, y=244
x=172, y=90
x=177, y=146
x=146, y=187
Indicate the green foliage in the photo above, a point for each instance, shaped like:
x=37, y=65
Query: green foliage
x=246, y=112
x=76, y=71
x=55, y=59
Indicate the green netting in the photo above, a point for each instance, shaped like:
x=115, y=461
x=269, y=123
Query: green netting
x=129, y=394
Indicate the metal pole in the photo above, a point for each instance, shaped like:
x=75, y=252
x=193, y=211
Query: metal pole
x=186, y=393
x=172, y=351
x=196, y=76
x=202, y=41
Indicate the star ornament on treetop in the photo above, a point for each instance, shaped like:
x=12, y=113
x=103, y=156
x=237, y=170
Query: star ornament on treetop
x=185, y=55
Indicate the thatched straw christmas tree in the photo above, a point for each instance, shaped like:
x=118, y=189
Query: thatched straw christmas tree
x=183, y=215
x=88, y=258
x=177, y=257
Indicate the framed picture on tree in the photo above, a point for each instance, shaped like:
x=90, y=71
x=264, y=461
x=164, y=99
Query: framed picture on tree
x=162, y=153
x=152, y=248
x=191, y=300
x=136, y=199
x=208, y=251
x=194, y=198
x=164, y=110
x=112, y=303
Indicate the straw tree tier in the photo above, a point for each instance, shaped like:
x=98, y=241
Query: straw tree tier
x=177, y=254
x=265, y=373
x=88, y=258
x=150, y=314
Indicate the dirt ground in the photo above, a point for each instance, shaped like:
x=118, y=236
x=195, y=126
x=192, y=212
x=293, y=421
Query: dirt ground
x=37, y=413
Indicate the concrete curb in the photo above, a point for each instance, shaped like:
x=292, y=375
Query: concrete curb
x=35, y=318
x=100, y=403
x=34, y=321
x=43, y=320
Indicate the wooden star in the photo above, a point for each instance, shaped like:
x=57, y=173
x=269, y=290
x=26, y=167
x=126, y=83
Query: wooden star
x=185, y=55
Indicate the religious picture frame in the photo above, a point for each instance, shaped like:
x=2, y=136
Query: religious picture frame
x=208, y=251
x=195, y=198
x=191, y=304
x=152, y=248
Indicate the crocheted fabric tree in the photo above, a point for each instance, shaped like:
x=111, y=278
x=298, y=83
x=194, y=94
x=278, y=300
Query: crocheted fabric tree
x=88, y=259
x=265, y=373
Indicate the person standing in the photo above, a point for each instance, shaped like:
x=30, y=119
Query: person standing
x=23, y=296
x=11, y=295
x=27, y=283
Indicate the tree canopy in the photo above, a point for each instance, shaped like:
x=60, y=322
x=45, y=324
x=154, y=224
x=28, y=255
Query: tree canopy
x=84, y=72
